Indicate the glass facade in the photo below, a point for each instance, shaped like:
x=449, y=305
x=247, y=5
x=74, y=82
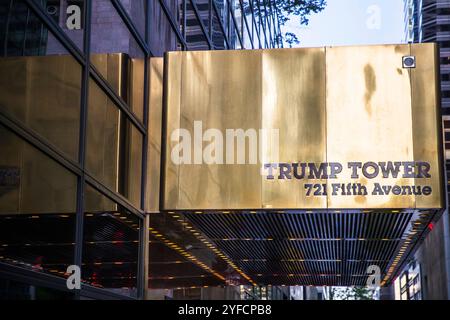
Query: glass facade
x=75, y=139
x=408, y=284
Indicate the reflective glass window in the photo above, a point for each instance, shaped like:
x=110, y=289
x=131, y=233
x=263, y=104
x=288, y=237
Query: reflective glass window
x=110, y=245
x=45, y=94
x=37, y=208
x=114, y=146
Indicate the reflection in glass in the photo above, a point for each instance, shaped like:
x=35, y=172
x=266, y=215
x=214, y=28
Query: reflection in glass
x=162, y=37
x=69, y=15
x=136, y=10
x=40, y=89
x=37, y=208
x=238, y=18
x=248, y=26
x=222, y=8
x=22, y=33
x=14, y=290
x=44, y=96
x=110, y=245
x=109, y=34
x=234, y=37
x=114, y=146
x=45, y=93
x=218, y=36
x=126, y=77
x=195, y=36
x=31, y=182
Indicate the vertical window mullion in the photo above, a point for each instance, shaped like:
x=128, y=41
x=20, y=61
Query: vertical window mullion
x=79, y=221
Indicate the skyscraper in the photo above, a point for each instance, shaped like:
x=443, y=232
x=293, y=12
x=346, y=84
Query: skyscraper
x=429, y=21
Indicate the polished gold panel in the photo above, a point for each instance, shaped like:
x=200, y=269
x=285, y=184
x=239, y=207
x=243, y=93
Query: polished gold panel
x=111, y=67
x=203, y=97
x=195, y=93
x=331, y=105
x=102, y=137
x=132, y=164
x=171, y=107
x=154, y=134
x=368, y=119
x=31, y=182
x=426, y=121
x=302, y=129
x=44, y=93
x=136, y=87
x=114, y=144
x=102, y=148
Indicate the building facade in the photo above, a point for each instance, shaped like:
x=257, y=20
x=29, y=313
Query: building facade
x=77, y=171
x=427, y=276
x=75, y=140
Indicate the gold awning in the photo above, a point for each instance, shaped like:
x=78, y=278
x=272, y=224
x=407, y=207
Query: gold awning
x=357, y=109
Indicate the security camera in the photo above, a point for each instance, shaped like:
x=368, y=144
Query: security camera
x=409, y=62
x=52, y=10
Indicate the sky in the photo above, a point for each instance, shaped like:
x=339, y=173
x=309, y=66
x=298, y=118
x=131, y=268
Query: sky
x=351, y=22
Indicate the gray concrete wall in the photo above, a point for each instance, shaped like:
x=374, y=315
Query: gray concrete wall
x=432, y=257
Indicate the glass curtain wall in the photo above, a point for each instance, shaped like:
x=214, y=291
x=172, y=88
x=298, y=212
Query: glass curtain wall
x=74, y=130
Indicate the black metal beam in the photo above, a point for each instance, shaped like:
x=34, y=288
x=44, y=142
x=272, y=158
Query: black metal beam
x=173, y=24
x=233, y=18
x=222, y=28
x=250, y=35
x=202, y=26
x=134, y=32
